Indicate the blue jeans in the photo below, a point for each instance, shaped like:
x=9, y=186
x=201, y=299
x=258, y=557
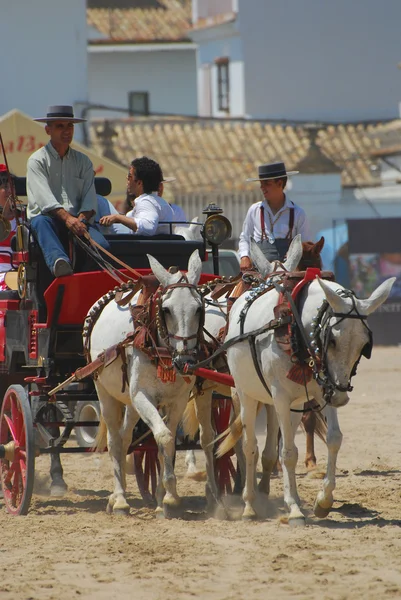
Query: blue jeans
x=53, y=239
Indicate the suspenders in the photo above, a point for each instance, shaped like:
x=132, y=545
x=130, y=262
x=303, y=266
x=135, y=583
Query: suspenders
x=262, y=224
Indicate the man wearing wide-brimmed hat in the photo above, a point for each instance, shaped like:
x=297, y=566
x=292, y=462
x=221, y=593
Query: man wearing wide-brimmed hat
x=61, y=192
x=274, y=221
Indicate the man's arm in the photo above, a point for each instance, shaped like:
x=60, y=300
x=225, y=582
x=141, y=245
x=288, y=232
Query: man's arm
x=88, y=204
x=129, y=222
x=74, y=224
x=146, y=217
x=302, y=226
x=243, y=247
x=38, y=189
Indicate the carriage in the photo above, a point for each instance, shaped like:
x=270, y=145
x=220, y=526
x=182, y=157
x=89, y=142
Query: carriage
x=41, y=324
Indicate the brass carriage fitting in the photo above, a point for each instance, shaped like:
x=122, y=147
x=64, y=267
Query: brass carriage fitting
x=9, y=451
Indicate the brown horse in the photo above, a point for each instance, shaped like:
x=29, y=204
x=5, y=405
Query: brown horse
x=311, y=258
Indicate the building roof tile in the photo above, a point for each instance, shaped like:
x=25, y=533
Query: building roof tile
x=214, y=155
x=163, y=21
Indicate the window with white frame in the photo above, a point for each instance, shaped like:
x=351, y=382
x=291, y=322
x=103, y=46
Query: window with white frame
x=223, y=84
x=138, y=103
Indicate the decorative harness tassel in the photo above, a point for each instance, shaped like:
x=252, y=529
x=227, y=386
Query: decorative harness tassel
x=165, y=370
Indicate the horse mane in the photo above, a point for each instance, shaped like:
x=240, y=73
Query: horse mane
x=311, y=255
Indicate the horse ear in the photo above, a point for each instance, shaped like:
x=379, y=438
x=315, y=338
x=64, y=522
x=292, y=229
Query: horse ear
x=319, y=245
x=294, y=253
x=337, y=303
x=159, y=271
x=194, y=268
x=376, y=298
x=260, y=261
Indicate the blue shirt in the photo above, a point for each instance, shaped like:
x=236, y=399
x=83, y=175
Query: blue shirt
x=54, y=182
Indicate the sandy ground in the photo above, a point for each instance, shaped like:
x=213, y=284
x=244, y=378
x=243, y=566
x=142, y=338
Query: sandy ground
x=69, y=548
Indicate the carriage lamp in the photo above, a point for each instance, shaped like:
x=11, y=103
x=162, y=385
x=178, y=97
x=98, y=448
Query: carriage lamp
x=216, y=230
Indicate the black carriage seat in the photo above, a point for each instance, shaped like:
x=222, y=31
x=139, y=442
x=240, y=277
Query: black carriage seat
x=169, y=250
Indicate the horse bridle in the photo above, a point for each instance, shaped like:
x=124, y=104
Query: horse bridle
x=161, y=325
x=321, y=335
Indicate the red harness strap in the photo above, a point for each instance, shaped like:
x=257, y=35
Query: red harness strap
x=300, y=372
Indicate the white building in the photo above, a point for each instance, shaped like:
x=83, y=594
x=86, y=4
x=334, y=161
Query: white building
x=309, y=60
x=141, y=60
x=43, y=45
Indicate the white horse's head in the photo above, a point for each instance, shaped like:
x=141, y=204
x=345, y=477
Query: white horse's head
x=341, y=333
x=265, y=267
x=191, y=232
x=181, y=309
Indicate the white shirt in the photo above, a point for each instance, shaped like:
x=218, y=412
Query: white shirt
x=280, y=222
x=148, y=211
x=53, y=182
x=179, y=214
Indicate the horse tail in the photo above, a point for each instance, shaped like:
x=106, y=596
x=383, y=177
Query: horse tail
x=190, y=421
x=234, y=432
x=100, y=443
x=321, y=427
x=231, y=437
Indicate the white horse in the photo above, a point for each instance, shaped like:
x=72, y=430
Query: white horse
x=342, y=337
x=181, y=311
x=216, y=318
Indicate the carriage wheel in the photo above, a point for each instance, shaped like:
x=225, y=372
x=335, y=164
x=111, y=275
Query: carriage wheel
x=147, y=470
x=225, y=471
x=17, y=476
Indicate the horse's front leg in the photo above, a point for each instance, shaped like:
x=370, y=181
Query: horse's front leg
x=324, y=500
x=270, y=452
x=249, y=408
x=165, y=440
x=175, y=411
x=112, y=413
x=203, y=406
x=131, y=418
x=289, y=459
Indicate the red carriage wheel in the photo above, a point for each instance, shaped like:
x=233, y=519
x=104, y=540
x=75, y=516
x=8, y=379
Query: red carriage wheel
x=225, y=471
x=17, y=476
x=147, y=469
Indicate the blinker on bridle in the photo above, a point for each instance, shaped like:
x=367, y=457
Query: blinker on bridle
x=322, y=325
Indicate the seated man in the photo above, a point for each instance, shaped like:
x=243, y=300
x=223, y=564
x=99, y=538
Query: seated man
x=144, y=177
x=61, y=192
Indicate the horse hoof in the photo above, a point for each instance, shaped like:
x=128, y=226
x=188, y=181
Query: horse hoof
x=249, y=515
x=121, y=512
x=297, y=522
x=171, y=511
x=319, y=511
x=58, y=490
x=159, y=513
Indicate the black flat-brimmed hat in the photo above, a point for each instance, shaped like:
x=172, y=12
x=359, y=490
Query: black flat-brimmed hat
x=60, y=113
x=272, y=171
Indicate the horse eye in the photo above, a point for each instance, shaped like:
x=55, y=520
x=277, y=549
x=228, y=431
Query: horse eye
x=199, y=310
x=166, y=311
x=332, y=342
